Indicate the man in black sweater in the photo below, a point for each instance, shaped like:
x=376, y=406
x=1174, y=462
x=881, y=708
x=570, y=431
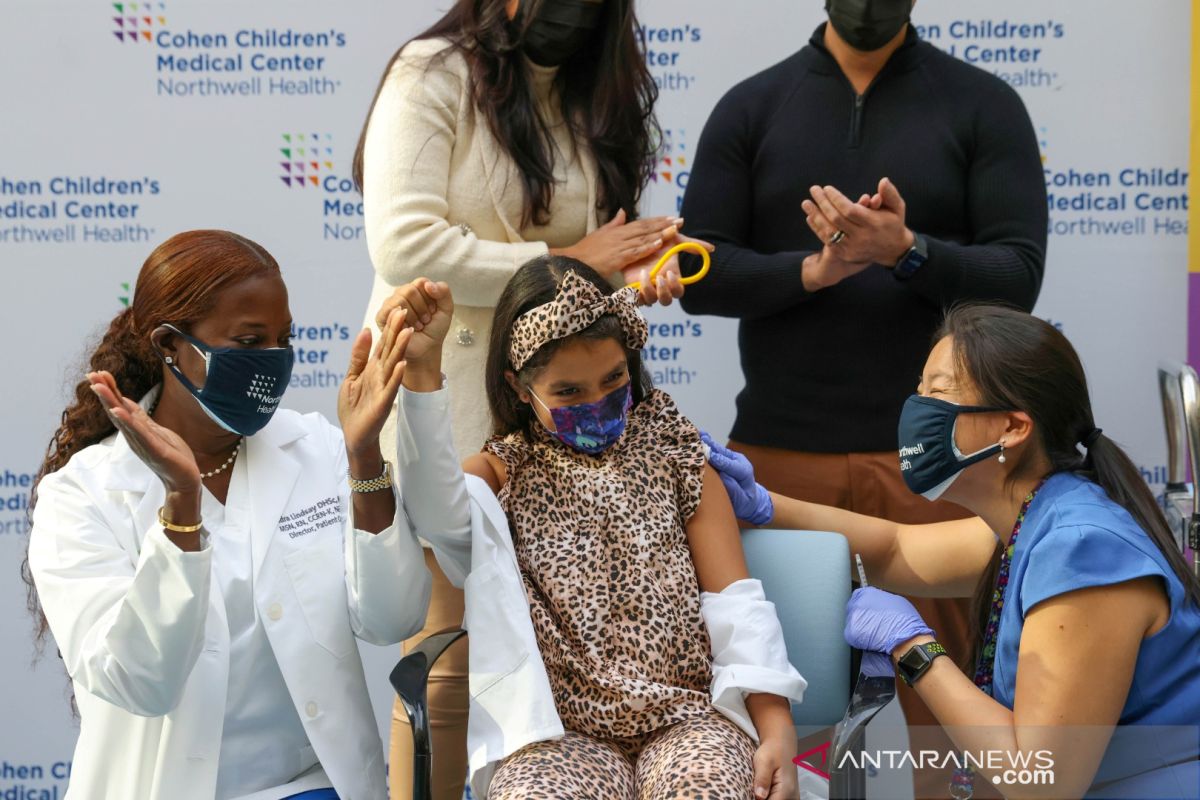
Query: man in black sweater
x=854, y=191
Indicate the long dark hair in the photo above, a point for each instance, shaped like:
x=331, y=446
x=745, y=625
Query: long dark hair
x=607, y=96
x=1016, y=360
x=178, y=284
x=535, y=283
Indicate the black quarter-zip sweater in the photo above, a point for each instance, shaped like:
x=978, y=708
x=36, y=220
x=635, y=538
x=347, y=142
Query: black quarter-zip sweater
x=829, y=371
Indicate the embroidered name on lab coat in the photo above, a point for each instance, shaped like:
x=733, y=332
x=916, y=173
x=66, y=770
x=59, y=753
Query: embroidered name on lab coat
x=312, y=518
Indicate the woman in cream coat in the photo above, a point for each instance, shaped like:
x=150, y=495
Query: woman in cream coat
x=509, y=129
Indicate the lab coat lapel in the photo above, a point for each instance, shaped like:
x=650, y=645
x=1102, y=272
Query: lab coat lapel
x=143, y=490
x=272, y=472
x=126, y=470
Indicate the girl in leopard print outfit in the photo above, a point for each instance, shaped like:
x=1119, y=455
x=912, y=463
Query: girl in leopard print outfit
x=628, y=552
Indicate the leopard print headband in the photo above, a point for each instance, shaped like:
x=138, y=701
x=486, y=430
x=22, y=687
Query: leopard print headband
x=577, y=305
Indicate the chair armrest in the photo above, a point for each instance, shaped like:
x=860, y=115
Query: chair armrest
x=410, y=676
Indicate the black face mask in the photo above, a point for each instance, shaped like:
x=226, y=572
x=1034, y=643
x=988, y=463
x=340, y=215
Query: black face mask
x=868, y=24
x=559, y=29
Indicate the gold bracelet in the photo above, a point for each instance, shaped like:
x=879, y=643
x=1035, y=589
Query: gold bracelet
x=171, y=526
x=384, y=481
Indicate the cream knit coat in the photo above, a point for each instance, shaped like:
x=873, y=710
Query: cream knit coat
x=444, y=201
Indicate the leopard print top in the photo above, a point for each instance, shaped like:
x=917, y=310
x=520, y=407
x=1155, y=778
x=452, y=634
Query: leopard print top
x=603, y=553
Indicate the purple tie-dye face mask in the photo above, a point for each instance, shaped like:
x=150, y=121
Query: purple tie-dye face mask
x=592, y=427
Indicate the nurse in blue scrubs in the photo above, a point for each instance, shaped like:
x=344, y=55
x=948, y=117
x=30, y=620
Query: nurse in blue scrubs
x=1086, y=670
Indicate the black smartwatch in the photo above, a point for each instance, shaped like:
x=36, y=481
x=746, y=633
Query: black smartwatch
x=913, y=260
x=914, y=663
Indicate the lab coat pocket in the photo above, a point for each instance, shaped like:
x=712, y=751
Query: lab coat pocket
x=318, y=574
x=493, y=618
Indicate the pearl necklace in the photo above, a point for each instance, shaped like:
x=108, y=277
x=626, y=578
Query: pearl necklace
x=214, y=472
x=228, y=461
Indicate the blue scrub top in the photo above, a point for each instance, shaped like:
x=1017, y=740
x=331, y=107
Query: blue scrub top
x=1075, y=537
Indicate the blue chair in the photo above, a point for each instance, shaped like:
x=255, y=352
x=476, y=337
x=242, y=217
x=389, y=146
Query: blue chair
x=806, y=574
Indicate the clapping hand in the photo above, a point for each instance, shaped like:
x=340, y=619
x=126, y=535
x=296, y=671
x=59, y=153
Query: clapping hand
x=872, y=230
x=161, y=449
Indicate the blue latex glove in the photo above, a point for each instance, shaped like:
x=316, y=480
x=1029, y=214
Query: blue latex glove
x=876, y=665
x=751, y=502
x=880, y=621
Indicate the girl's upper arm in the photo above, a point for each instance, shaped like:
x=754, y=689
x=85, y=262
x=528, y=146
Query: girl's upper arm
x=714, y=538
x=488, y=467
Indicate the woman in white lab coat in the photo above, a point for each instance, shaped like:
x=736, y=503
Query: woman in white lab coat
x=201, y=558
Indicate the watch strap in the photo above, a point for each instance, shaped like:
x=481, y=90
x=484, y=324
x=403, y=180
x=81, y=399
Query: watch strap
x=926, y=653
x=912, y=260
x=384, y=481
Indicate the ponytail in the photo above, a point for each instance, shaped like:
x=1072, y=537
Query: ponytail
x=1108, y=465
x=135, y=367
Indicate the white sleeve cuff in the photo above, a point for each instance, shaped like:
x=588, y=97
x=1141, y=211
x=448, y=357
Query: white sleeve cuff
x=749, y=655
x=157, y=541
x=438, y=399
x=387, y=581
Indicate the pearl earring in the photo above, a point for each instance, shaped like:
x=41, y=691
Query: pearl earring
x=169, y=360
x=1002, y=458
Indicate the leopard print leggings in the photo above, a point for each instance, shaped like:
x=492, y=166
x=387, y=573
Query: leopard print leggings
x=702, y=758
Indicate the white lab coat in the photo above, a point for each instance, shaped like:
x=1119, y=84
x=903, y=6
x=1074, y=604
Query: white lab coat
x=511, y=703
x=142, y=628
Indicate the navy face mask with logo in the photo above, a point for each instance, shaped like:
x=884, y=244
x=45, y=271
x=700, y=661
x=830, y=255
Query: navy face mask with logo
x=929, y=458
x=242, y=385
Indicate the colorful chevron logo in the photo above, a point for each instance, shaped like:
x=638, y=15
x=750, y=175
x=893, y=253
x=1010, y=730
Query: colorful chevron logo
x=135, y=21
x=307, y=155
x=674, y=155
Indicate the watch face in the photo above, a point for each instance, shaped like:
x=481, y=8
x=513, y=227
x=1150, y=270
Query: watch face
x=912, y=261
x=919, y=247
x=912, y=661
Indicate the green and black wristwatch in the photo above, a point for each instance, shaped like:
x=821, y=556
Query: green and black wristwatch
x=913, y=260
x=915, y=662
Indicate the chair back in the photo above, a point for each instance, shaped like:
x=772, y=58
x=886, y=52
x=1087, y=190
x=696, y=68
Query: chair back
x=806, y=574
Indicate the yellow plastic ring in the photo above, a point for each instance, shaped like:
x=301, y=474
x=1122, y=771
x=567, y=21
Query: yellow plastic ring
x=705, y=259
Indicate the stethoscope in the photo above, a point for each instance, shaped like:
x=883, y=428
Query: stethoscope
x=705, y=259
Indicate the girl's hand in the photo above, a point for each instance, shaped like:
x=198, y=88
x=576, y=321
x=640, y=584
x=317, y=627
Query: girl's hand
x=372, y=380
x=162, y=450
x=774, y=772
x=430, y=308
x=617, y=244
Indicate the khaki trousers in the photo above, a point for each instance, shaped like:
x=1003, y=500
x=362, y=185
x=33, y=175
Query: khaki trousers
x=447, y=694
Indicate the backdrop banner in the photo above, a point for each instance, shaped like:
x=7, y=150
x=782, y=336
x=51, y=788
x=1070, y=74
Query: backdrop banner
x=130, y=121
